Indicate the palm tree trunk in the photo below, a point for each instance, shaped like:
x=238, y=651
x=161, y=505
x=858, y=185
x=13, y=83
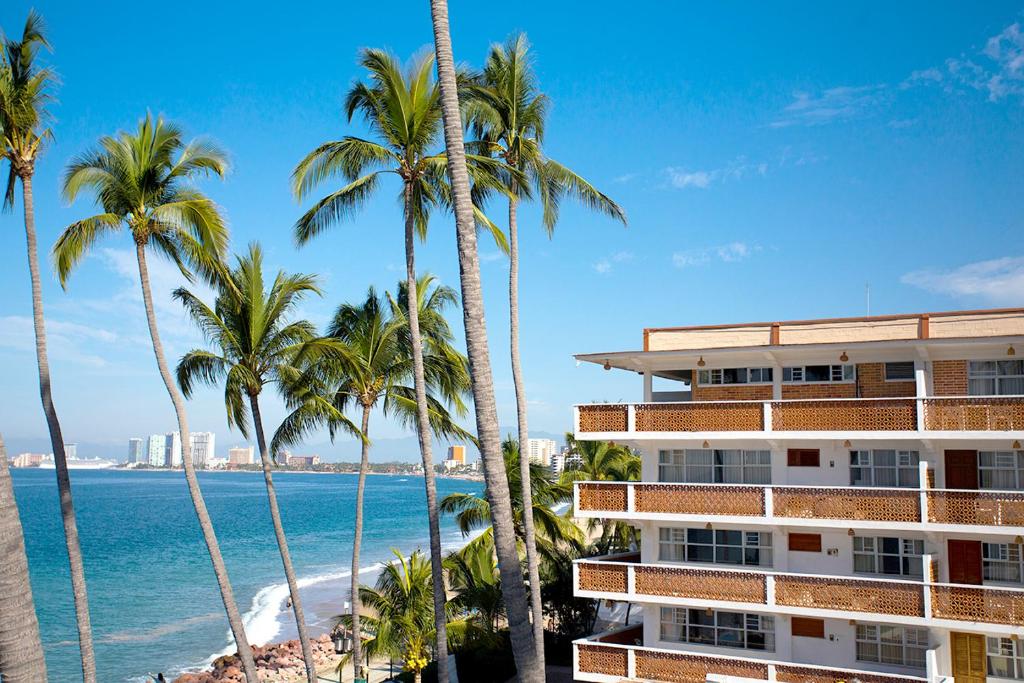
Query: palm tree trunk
x=423, y=435
x=21, y=650
x=282, y=542
x=357, y=540
x=67, y=507
x=512, y=588
x=205, y=524
x=530, y=536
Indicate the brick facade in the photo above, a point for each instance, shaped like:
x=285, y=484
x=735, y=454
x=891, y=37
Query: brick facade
x=732, y=392
x=871, y=380
x=949, y=377
x=823, y=390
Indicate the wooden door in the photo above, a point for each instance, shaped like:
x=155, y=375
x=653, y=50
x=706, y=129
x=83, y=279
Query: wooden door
x=961, y=469
x=964, y=562
x=968, y=657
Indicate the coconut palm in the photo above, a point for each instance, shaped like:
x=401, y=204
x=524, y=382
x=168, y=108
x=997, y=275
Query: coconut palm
x=21, y=650
x=376, y=369
x=402, y=612
x=254, y=344
x=24, y=93
x=506, y=112
x=529, y=659
x=603, y=461
x=476, y=587
x=473, y=511
x=141, y=181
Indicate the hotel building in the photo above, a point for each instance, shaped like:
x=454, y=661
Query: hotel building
x=540, y=451
x=820, y=501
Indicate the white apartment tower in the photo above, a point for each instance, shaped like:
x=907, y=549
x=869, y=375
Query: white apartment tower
x=540, y=451
x=820, y=501
x=203, y=448
x=156, y=450
x=172, y=449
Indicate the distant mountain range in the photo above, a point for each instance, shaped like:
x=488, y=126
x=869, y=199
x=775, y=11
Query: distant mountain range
x=403, y=449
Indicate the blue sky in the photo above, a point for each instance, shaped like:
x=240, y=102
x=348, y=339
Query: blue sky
x=773, y=160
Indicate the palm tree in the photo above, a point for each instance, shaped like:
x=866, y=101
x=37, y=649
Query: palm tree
x=374, y=369
x=254, y=345
x=603, y=461
x=529, y=659
x=141, y=182
x=506, y=112
x=551, y=530
x=476, y=587
x=21, y=650
x=402, y=619
x=24, y=94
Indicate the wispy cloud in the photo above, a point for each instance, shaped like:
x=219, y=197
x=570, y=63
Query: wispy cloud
x=491, y=256
x=723, y=253
x=682, y=178
x=999, y=281
x=834, y=104
x=997, y=70
x=65, y=340
x=605, y=265
x=625, y=178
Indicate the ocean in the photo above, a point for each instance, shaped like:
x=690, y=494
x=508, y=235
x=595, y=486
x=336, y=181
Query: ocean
x=153, y=597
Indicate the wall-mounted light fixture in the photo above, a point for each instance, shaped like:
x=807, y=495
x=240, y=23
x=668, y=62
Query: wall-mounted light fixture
x=1015, y=444
x=607, y=365
x=846, y=444
x=706, y=445
x=844, y=357
x=700, y=362
x=1011, y=351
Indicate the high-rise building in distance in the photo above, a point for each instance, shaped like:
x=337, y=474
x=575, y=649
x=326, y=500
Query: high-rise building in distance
x=457, y=453
x=156, y=450
x=71, y=451
x=172, y=449
x=240, y=455
x=136, y=451
x=203, y=447
x=540, y=451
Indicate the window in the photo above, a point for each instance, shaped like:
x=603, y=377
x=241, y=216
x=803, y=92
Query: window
x=1005, y=658
x=818, y=373
x=706, y=466
x=885, y=467
x=736, y=376
x=723, y=629
x=887, y=555
x=721, y=546
x=899, y=371
x=803, y=457
x=1001, y=470
x=995, y=377
x=899, y=645
x=1002, y=562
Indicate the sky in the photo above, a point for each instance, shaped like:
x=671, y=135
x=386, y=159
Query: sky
x=775, y=161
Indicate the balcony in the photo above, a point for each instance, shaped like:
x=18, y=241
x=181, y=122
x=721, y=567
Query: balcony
x=615, y=656
x=976, y=415
x=623, y=577
x=818, y=506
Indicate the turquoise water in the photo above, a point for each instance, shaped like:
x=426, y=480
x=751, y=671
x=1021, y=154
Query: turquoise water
x=153, y=597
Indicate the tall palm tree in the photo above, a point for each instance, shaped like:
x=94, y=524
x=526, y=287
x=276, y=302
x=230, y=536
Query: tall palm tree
x=506, y=111
x=476, y=586
x=473, y=511
x=603, y=461
x=24, y=94
x=21, y=650
x=254, y=344
x=141, y=181
x=373, y=368
x=401, y=109
x=529, y=659
x=402, y=612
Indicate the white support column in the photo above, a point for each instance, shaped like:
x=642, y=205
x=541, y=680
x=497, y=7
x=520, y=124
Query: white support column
x=631, y=663
x=769, y=503
x=576, y=419
x=648, y=386
x=769, y=583
x=923, y=485
x=766, y=408
x=631, y=581
x=576, y=499
x=576, y=578
x=921, y=390
x=630, y=498
x=631, y=418
x=926, y=561
x=776, y=382
x=772, y=675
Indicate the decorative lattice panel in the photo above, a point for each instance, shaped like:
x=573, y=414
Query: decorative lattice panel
x=683, y=668
x=700, y=417
x=701, y=584
x=600, y=659
x=603, y=577
x=985, y=605
x=694, y=499
x=974, y=414
x=886, y=415
x=850, y=595
x=976, y=507
x=603, y=418
x=859, y=504
x=602, y=497
x=802, y=674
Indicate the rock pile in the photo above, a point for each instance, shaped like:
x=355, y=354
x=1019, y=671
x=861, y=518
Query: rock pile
x=277, y=663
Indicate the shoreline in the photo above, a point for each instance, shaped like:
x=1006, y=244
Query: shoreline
x=461, y=477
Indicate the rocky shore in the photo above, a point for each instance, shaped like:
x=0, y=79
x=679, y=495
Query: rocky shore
x=277, y=663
